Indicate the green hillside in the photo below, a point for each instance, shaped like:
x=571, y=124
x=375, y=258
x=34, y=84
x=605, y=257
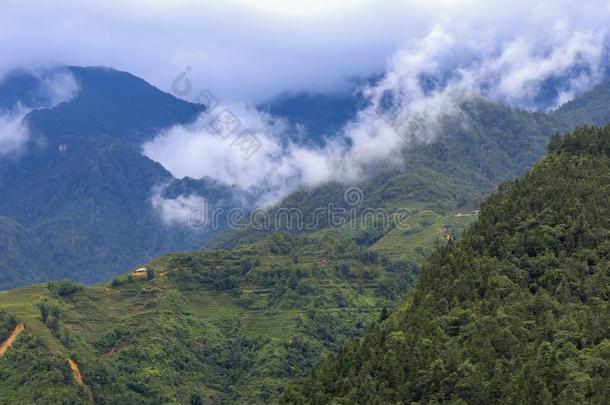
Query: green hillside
x=234, y=325
x=86, y=213
x=517, y=311
x=78, y=203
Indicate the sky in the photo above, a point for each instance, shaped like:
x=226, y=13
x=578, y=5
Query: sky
x=253, y=50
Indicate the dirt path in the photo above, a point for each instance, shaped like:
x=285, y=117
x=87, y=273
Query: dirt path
x=11, y=338
x=76, y=372
x=78, y=377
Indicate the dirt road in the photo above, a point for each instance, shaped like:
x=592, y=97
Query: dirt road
x=11, y=338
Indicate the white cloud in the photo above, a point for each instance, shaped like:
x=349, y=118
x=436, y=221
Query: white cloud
x=55, y=86
x=254, y=50
x=198, y=150
x=14, y=135
x=182, y=210
x=525, y=64
x=402, y=108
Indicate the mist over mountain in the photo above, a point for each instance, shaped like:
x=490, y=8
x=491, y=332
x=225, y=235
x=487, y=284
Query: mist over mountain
x=304, y=202
x=425, y=81
x=590, y=109
x=81, y=173
x=79, y=187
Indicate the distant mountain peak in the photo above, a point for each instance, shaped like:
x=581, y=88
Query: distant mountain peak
x=112, y=103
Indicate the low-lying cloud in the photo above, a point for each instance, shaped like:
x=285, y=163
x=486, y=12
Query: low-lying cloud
x=54, y=87
x=14, y=135
x=430, y=54
x=426, y=79
x=180, y=210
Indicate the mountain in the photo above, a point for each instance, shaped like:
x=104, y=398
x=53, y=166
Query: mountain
x=517, y=309
x=320, y=116
x=91, y=206
x=85, y=179
x=239, y=323
x=23, y=88
x=79, y=203
x=22, y=254
x=112, y=103
x=515, y=312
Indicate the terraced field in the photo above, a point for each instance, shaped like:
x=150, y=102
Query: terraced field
x=416, y=239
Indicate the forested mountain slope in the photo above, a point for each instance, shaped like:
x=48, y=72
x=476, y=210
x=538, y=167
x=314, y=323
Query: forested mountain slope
x=528, y=279
x=112, y=103
x=89, y=207
x=22, y=254
x=83, y=176
x=80, y=196
x=517, y=311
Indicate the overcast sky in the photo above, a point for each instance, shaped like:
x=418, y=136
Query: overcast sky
x=252, y=50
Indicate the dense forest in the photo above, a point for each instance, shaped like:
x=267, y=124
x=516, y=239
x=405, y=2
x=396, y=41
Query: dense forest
x=517, y=311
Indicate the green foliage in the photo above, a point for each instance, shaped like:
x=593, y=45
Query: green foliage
x=86, y=214
x=150, y=274
x=44, y=311
x=7, y=324
x=22, y=255
x=517, y=311
x=64, y=288
x=593, y=108
x=119, y=281
x=30, y=374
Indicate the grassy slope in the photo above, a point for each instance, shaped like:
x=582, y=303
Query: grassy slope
x=593, y=108
x=22, y=304
x=235, y=325
x=422, y=234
